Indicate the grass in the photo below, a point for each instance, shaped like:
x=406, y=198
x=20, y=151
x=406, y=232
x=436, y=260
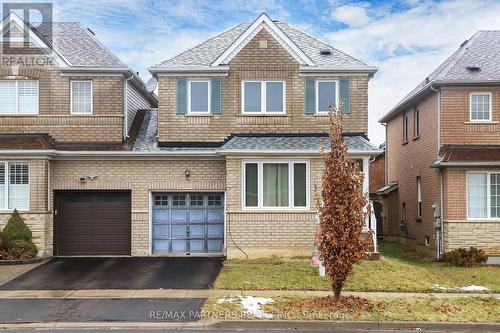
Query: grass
x=399, y=270
x=388, y=309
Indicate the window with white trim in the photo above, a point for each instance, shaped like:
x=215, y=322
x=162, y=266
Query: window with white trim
x=18, y=97
x=405, y=128
x=81, y=97
x=419, y=197
x=14, y=185
x=276, y=184
x=263, y=96
x=480, y=106
x=326, y=94
x=199, y=96
x=483, y=195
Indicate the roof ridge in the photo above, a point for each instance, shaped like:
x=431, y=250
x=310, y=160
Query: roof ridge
x=201, y=43
x=101, y=45
x=320, y=41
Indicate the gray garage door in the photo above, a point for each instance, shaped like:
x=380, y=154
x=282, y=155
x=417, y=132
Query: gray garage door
x=188, y=222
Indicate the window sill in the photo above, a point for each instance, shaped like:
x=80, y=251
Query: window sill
x=18, y=114
x=416, y=137
x=276, y=210
x=478, y=122
x=405, y=142
x=199, y=115
x=321, y=114
x=264, y=115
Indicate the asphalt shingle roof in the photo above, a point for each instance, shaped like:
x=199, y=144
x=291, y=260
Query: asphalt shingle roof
x=205, y=53
x=482, y=50
x=78, y=45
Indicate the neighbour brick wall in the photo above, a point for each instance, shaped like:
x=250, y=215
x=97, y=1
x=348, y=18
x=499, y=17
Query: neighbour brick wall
x=261, y=233
x=455, y=115
x=39, y=216
x=460, y=232
x=105, y=123
x=406, y=161
x=377, y=173
x=255, y=63
x=141, y=177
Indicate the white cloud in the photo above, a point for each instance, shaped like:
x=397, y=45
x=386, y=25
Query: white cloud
x=408, y=45
x=353, y=16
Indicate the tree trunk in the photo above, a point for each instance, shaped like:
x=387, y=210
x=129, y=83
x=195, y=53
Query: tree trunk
x=336, y=291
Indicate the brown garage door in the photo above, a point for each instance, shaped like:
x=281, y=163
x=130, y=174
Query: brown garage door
x=92, y=223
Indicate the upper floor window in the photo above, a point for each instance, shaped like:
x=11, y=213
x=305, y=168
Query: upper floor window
x=14, y=185
x=480, y=106
x=18, y=97
x=416, y=123
x=198, y=96
x=405, y=127
x=326, y=94
x=263, y=96
x=276, y=184
x=81, y=97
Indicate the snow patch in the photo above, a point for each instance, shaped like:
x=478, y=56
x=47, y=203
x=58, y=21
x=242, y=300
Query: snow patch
x=467, y=288
x=226, y=300
x=252, y=306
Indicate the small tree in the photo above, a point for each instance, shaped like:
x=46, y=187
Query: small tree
x=17, y=238
x=342, y=209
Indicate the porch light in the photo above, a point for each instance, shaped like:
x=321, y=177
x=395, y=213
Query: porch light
x=187, y=173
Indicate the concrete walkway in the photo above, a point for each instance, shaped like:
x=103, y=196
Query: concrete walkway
x=192, y=293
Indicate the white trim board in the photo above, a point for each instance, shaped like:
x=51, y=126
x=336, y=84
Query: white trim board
x=263, y=22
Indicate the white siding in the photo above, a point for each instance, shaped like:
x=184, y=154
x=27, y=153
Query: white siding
x=135, y=101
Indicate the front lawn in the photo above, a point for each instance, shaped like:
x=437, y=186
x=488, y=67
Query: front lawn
x=398, y=269
x=384, y=309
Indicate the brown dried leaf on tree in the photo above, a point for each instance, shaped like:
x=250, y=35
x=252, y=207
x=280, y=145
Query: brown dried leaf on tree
x=342, y=209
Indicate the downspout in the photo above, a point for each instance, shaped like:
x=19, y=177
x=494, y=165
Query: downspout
x=125, y=106
x=441, y=181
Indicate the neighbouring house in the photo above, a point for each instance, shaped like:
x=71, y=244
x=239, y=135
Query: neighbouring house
x=442, y=181
x=377, y=181
x=226, y=165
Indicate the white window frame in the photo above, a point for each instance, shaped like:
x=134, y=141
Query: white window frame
x=490, y=106
x=260, y=187
x=17, y=99
x=337, y=97
x=91, y=98
x=263, y=97
x=209, y=111
x=419, y=197
x=406, y=127
x=488, y=196
x=7, y=183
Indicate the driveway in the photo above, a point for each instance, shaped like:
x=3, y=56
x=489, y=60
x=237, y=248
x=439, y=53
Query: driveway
x=119, y=273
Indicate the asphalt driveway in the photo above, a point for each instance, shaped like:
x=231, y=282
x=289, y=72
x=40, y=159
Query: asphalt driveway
x=119, y=273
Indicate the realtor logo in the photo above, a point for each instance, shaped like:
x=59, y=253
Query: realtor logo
x=20, y=21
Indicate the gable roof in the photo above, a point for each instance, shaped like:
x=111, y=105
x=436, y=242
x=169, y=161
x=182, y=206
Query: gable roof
x=481, y=50
x=72, y=44
x=217, y=51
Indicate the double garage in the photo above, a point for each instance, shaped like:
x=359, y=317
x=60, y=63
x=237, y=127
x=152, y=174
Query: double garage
x=90, y=223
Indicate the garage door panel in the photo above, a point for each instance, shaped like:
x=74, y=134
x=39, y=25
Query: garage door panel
x=188, y=222
x=93, y=223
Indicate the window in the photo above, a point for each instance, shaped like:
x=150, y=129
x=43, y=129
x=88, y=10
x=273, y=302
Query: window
x=326, y=94
x=480, y=106
x=419, y=197
x=179, y=200
x=161, y=200
x=198, y=97
x=403, y=211
x=483, y=195
x=405, y=128
x=196, y=200
x=263, y=97
x=276, y=184
x=416, y=116
x=14, y=185
x=214, y=200
x=81, y=97
x=18, y=97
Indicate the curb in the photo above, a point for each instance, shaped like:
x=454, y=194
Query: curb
x=109, y=325
x=21, y=261
x=354, y=325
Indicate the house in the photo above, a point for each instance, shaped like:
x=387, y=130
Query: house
x=442, y=154
x=226, y=165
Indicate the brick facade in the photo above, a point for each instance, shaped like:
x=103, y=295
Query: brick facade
x=252, y=62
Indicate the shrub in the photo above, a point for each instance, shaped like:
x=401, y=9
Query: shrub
x=465, y=258
x=17, y=238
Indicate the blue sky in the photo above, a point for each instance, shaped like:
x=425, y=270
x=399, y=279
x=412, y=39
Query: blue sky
x=406, y=40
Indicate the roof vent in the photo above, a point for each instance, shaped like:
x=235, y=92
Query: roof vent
x=325, y=52
x=91, y=31
x=473, y=68
x=464, y=42
x=427, y=80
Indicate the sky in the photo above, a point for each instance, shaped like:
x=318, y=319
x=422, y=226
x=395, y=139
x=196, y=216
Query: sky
x=406, y=40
